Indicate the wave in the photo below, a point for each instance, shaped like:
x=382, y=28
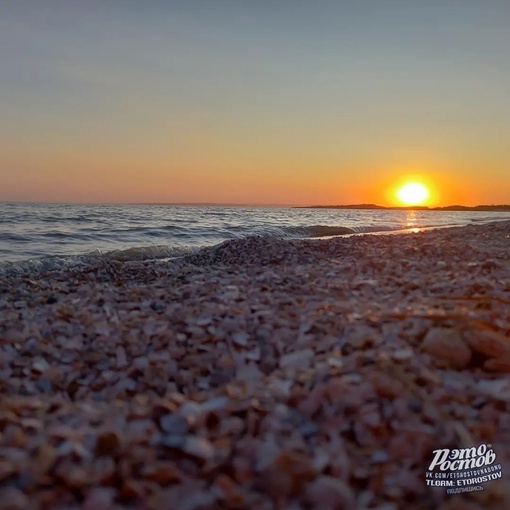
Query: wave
x=38, y=263
x=329, y=230
x=148, y=253
x=317, y=231
x=55, y=263
x=41, y=264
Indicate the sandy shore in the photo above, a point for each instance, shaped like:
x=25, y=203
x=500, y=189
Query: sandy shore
x=259, y=374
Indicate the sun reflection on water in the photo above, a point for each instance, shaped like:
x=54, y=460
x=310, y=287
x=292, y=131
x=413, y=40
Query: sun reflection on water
x=411, y=219
x=411, y=222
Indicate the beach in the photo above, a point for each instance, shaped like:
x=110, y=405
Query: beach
x=260, y=373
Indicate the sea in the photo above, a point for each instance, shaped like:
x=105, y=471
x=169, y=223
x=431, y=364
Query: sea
x=45, y=236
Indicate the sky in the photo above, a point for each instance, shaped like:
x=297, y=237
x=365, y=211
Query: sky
x=257, y=102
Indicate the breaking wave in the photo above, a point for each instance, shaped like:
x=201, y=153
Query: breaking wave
x=133, y=254
x=55, y=263
x=327, y=230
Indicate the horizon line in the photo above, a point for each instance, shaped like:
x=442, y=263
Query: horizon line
x=237, y=204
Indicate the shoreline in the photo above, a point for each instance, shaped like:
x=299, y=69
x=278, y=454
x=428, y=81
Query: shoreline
x=42, y=232
x=259, y=373
x=416, y=230
x=37, y=263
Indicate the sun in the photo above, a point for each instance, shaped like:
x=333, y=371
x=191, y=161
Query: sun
x=413, y=193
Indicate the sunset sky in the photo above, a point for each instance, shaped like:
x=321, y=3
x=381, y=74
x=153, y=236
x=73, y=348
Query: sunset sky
x=262, y=102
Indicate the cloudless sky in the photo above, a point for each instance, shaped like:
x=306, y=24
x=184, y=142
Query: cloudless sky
x=263, y=101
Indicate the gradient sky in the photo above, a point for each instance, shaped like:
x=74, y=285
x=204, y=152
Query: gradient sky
x=263, y=101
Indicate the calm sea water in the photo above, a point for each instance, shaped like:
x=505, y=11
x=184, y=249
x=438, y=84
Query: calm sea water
x=42, y=231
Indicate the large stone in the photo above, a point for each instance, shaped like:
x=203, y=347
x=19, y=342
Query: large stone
x=447, y=347
x=492, y=345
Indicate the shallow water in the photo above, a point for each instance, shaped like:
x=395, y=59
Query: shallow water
x=37, y=231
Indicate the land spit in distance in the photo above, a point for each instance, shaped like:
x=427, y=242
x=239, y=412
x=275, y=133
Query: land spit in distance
x=494, y=208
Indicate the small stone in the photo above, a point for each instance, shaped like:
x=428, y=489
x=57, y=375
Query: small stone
x=216, y=404
x=13, y=499
x=99, y=498
x=335, y=361
x=192, y=412
x=231, y=492
x=158, y=306
x=188, y=495
x=249, y=374
x=132, y=489
x=14, y=436
x=121, y=359
x=402, y=354
x=107, y=443
x=501, y=366
x=198, y=447
x=174, y=424
x=297, y=359
x=72, y=475
x=39, y=365
x=329, y=493
x=380, y=456
x=386, y=386
x=44, y=385
x=288, y=472
x=142, y=362
x=241, y=339
x=7, y=468
x=104, y=470
x=45, y=458
x=162, y=473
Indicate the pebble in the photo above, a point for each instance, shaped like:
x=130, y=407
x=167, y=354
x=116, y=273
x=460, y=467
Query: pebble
x=329, y=493
x=297, y=359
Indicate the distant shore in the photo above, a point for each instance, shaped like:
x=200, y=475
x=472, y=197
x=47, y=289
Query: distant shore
x=485, y=208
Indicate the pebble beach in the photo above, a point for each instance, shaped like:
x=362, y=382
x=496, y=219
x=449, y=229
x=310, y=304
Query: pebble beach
x=259, y=373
